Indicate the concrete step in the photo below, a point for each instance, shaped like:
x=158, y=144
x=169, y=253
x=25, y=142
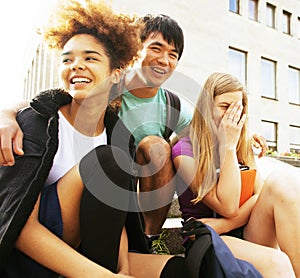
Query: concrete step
x=172, y=223
x=174, y=241
x=172, y=226
x=174, y=211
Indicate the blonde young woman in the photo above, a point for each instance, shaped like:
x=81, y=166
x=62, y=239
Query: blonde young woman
x=208, y=157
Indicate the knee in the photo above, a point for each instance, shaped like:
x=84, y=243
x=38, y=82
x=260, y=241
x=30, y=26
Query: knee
x=107, y=164
x=153, y=148
x=281, y=264
x=283, y=186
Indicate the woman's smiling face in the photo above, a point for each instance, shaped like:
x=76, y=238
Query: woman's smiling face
x=85, y=68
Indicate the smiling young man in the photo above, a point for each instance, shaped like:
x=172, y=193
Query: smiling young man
x=144, y=110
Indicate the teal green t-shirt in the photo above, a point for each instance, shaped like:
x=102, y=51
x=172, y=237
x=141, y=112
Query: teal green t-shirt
x=147, y=116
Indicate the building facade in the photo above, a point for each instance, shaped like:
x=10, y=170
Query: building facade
x=256, y=40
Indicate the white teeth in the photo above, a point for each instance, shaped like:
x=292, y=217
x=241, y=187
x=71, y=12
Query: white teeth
x=159, y=70
x=80, y=80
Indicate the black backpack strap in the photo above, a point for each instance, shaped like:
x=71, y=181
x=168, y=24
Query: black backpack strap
x=173, y=113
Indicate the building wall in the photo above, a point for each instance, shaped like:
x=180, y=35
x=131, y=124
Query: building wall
x=210, y=30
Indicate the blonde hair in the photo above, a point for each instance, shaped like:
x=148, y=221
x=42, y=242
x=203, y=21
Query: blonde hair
x=204, y=143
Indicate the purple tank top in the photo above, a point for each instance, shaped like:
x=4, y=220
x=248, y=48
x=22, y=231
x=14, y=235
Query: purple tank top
x=185, y=195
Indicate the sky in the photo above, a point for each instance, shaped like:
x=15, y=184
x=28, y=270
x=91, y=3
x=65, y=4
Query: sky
x=18, y=20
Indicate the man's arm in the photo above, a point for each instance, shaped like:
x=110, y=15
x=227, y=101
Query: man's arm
x=260, y=142
x=11, y=136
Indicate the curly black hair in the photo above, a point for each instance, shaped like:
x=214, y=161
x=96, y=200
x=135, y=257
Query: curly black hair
x=119, y=33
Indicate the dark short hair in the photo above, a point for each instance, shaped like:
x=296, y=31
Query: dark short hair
x=165, y=25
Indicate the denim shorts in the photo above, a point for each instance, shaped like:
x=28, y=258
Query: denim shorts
x=50, y=212
x=20, y=265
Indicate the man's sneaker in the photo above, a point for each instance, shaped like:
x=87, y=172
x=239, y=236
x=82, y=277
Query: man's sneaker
x=157, y=244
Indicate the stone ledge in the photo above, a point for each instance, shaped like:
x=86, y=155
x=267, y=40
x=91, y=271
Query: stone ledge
x=174, y=211
x=174, y=241
x=172, y=226
x=289, y=160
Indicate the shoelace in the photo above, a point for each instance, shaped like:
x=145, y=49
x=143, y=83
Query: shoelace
x=159, y=246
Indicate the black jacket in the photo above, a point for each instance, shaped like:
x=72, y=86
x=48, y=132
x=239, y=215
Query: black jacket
x=21, y=184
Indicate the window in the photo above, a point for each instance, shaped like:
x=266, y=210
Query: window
x=268, y=78
x=234, y=6
x=295, y=139
x=269, y=131
x=42, y=74
x=237, y=64
x=270, y=15
x=253, y=10
x=286, y=22
x=294, y=85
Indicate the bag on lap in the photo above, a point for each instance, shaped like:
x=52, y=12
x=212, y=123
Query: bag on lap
x=208, y=256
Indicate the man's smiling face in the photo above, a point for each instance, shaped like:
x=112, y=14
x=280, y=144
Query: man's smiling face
x=159, y=60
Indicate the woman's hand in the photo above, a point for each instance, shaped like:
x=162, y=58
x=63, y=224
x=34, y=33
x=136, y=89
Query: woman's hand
x=230, y=127
x=218, y=224
x=259, y=142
